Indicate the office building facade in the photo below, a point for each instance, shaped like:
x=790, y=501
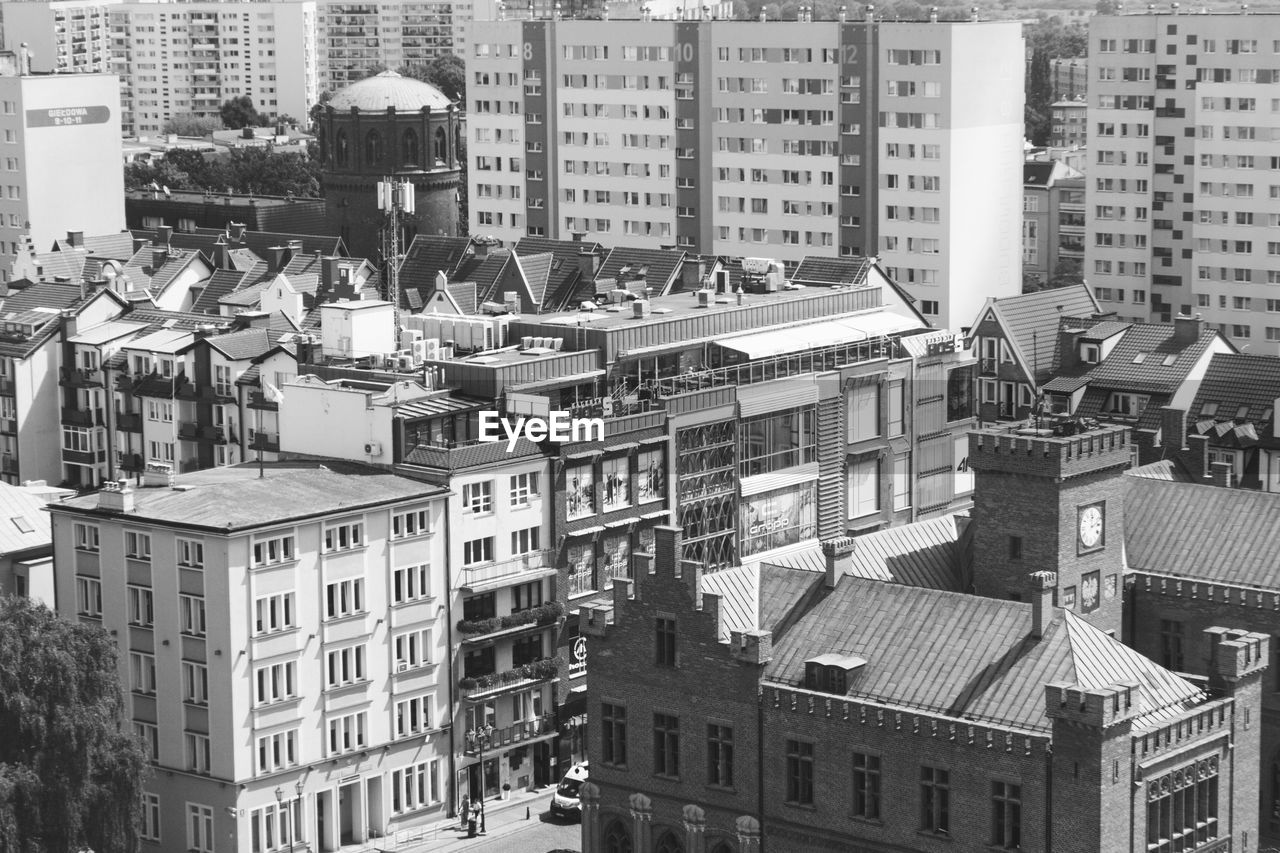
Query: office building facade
x=1181, y=192
x=737, y=138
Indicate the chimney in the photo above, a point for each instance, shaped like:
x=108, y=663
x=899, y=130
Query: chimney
x=159, y=254
x=933, y=14
x=253, y=319
x=839, y=557
x=139, y=244
x=1186, y=330
x=157, y=474
x=221, y=254
x=1043, y=585
x=579, y=236
x=1221, y=474
x=277, y=257
x=481, y=246
x=588, y=262
x=691, y=272
x=235, y=230
x=295, y=249
x=246, y=133
x=163, y=233
x=1068, y=346
x=204, y=330
x=870, y=14
x=75, y=238
x=116, y=496
x=1173, y=428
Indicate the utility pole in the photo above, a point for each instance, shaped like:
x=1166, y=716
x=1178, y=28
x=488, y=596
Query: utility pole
x=395, y=200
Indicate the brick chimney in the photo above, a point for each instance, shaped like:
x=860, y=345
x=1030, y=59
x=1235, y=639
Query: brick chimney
x=235, y=232
x=159, y=254
x=1173, y=428
x=588, y=263
x=1043, y=585
x=1186, y=330
x=1068, y=346
x=277, y=257
x=1221, y=472
x=839, y=558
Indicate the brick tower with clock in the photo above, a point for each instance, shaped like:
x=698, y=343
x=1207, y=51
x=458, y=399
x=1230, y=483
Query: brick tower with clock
x=1052, y=503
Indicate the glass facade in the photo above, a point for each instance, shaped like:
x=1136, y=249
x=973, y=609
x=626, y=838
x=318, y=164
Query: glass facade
x=778, y=518
x=776, y=441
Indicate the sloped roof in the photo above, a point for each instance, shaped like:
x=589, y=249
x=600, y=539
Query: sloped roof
x=51, y=265
x=23, y=522
x=428, y=255
x=241, y=345
x=1037, y=173
x=537, y=274
x=1105, y=330
x=463, y=294
x=1031, y=321
x=924, y=554
x=831, y=271
x=169, y=319
x=1157, y=342
x=485, y=272
x=220, y=284
x=143, y=274
x=117, y=246
x=564, y=276
x=761, y=596
x=1241, y=388
x=1204, y=532
x=967, y=656
x=659, y=266
x=1168, y=470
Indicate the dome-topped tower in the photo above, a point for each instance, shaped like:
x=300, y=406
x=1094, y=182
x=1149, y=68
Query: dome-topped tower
x=389, y=126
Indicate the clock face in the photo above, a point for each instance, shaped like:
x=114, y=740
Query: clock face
x=1091, y=526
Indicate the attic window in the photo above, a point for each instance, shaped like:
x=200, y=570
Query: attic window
x=555, y=264
x=1170, y=359
x=831, y=673
x=24, y=526
x=1242, y=413
x=1266, y=414
x=1208, y=410
x=1089, y=353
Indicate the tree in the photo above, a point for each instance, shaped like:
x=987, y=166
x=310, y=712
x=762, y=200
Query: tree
x=1039, y=99
x=69, y=773
x=161, y=172
x=240, y=112
x=317, y=110
x=1108, y=7
x=1066, y=273
x=190, y=124
x=447, y=72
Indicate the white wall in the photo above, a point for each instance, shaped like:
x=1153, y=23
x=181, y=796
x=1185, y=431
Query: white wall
x=318, y=419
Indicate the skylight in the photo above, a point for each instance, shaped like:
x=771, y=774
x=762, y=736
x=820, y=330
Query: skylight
x=20, y=522
x=1139, y=358
x=1209, y=409
x=1170, y=359
x=1242, y=413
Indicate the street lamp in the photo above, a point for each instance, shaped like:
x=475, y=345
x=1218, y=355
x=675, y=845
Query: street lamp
x=479, y=737
x=280, y=813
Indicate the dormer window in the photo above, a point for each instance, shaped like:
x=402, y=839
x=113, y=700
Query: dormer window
x=1089, y=353
x=832, y=673
x=1126, y=405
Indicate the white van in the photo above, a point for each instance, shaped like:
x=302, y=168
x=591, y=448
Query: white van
x=565, y=802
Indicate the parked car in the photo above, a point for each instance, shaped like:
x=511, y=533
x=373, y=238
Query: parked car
x=565, y=801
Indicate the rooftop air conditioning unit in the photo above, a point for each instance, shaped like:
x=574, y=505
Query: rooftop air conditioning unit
x=404, y=362
x=373, y=448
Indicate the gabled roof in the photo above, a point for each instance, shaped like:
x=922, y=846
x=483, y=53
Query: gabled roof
x=536, y=270
x=1031, y=322
x=967, y=656
x=484, y=272
x=1202, y=532
x=143, y=274
x=39, y=307
x=220, y=284
x=118, y=246
x=1168, y=470
x=428, y=255
x=1037, y=173
x=657, y=266
x=1239, y=388
x=23, y=522
x=1122, y=369
x=762, y=596
x=242, y=345
x=564, y=275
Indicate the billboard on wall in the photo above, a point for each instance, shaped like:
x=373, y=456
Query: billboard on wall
x=774, y=519
x=61, y=116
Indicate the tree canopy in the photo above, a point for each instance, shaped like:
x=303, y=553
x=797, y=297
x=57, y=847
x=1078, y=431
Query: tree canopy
x=240, y=112
x=258, y=170
x=190, y=124
x=447, y=72
x=69, y=773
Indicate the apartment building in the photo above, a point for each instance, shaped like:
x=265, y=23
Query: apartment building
x=62, y=36
x=292, y=616
x=356, y=36
x=1069, y=77
x=1052, y=218
x=774, y=140
x=61, y=144
x=191, y=58
x=1070, y=123
x=1182, y=193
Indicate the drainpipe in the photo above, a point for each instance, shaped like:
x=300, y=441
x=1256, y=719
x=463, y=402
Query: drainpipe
x=760, y=759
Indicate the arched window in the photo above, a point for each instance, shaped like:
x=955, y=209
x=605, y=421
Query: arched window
x=340, y=153
x=669, y=843
x=409, y=147
x=616, y=838
x=441, y=151
x=373, y=148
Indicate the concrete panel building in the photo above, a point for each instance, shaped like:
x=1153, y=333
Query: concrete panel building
x=62, y=35
x=744, y=139
x=1183, y=125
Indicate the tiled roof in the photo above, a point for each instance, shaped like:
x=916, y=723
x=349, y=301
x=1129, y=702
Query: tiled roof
x=659, y=266
x=1239, y=388
x=235, y=498
x=829, y=271
x=171, y=319
x=245, y=344
x=1104, y=330
x=966, y=656
x=1168, y=470
x=485, y=272
x=51, y=265
x=1094, y=402
x=118, y=246
x=1156, y=344
x=23, y=522
x=220, y=284
x=140, y=271
x=537, y=274
x=1204, y=532
x=464, y=295
x=428, y=255
x=564, y=277
x=54, y=295
x=1031, y=321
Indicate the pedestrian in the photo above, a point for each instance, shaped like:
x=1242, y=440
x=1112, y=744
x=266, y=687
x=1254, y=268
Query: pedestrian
x=465, y=811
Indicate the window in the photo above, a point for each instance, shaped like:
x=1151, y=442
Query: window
x=344, y=598
x=199, y=828
x=191, y=615
x=413, y=716
x=137, y=546
x=142, y=673
x=277, y=751
x=273, y=613
x=524, y=487
x=344, y=537
x=935, y=800
x=1182, y=807
x=415, y=787
x=526, y=649
x=772, y=442
x=1171, y=645
x=665, y=641
x=347, y=733
x=720, y=755
x=195, y=683
x=666, y=745
x=413, y=649
x=141, y=610
x=799, y=773
x=1015, y=547
x=864, y=487
x=477, y=551
x=269, y=552
x=86, y=537
x=275, y=682
x=866, y=786
x=150, y=829
x=345, y=666
x=410, y=523
x=411, y=583
x=89, y=597
x=478, y=497
x=1006, y=816
x=524, y=541
x=191, y=553
x=613, y=734
x=271, y=827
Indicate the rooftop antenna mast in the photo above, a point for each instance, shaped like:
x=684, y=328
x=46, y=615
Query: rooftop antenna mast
x=395, y=199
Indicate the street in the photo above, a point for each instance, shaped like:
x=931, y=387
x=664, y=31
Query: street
x=539, y=834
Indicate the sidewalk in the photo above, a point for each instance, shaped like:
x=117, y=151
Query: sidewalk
x=502, y=818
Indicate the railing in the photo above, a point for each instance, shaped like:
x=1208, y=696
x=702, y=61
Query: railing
x=129, y=421
x=81, y=417
x=778, y=367
x=537, y=727
x=540, y=616
x=472, y=575
x=535, y=671
x=188, y=430
x=258, y=400
x=76, y=378
x=268, y=442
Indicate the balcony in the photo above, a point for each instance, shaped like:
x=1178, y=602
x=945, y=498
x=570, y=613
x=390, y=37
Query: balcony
x=129, y=421
x=488, y=573
x=6, y=386
x=84, y=457
x=188, y=430
x=76, y=378
x=81, y=417
x=516, y=733
x=8, y=464
x=9, y=426
x=215, y=434
x=483, y=685
x=267, y=442
x=258, y=400
x=474, y=630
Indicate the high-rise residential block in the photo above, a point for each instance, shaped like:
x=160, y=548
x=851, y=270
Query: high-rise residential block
x=898, y=140
x=61, y=35
x=356, y=37
x=1184, y=179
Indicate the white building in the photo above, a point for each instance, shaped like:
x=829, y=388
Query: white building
x=354, y=36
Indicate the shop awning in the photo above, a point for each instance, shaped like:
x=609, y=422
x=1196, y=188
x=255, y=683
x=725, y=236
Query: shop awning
x=815, y=335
